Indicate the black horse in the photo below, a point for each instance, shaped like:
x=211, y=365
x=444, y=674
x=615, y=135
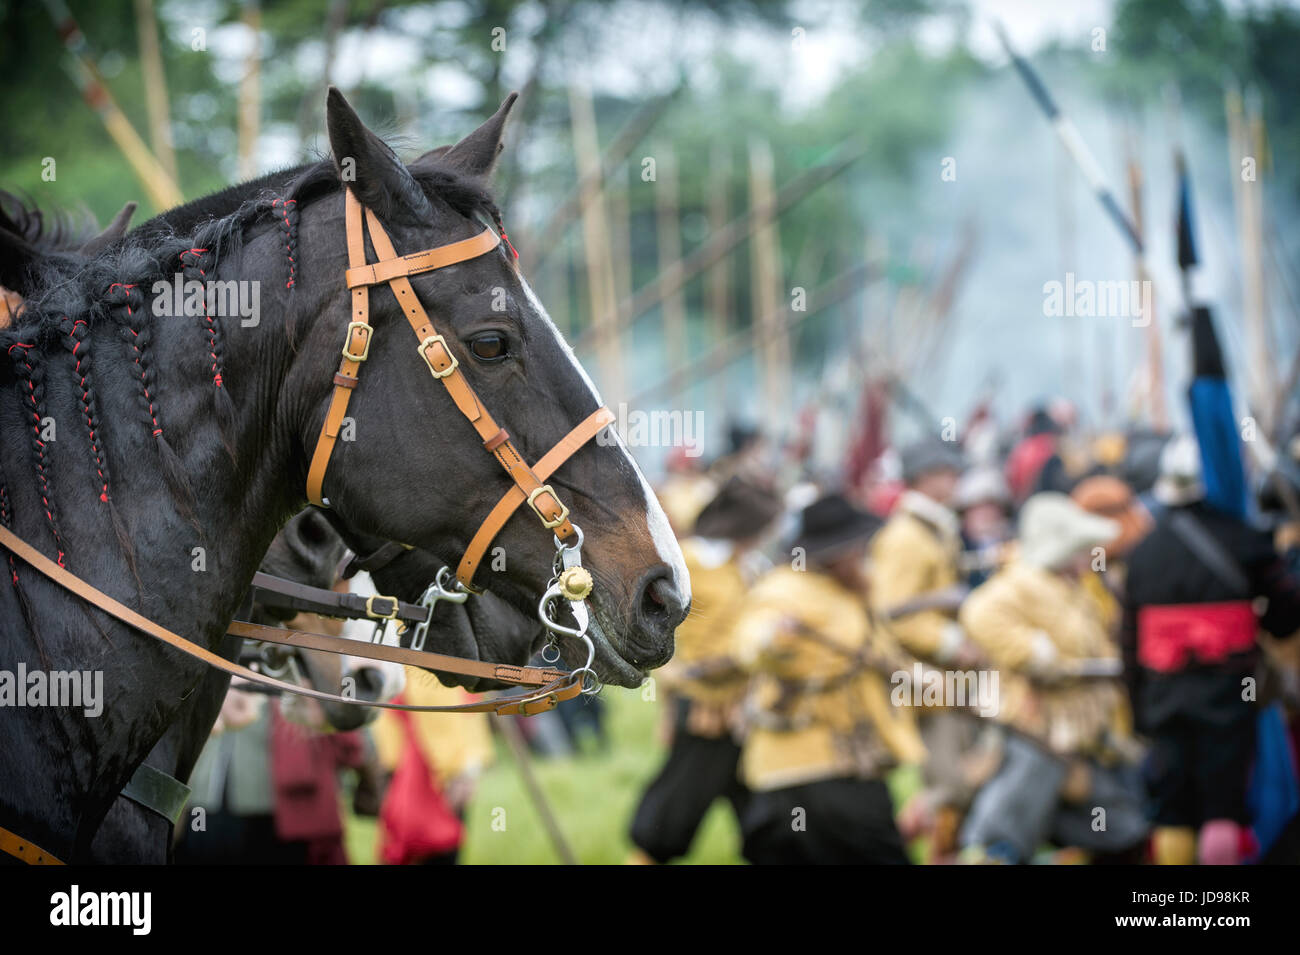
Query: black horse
x=182, y=445
x=306, y=550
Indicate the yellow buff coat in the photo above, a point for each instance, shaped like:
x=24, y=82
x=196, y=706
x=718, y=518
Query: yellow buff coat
x=909, y=559
x=718, y=586
x=813, y=713
x=1033, y=623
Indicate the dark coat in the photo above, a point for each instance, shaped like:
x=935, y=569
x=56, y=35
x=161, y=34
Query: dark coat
x=1162, y=570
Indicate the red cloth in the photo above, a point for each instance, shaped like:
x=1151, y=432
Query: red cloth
x=1171, y=636
x=871, y=437
x=882, y=498
x=304, y=778
x=415, y=821
x=1025, y=463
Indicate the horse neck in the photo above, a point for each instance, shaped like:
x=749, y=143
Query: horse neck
x=93, y=493
x=200, y=392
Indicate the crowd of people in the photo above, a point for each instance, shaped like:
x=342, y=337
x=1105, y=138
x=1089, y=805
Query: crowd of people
x=1080, y=656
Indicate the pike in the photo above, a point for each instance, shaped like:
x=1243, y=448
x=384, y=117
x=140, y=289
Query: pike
x=1088, y=165
x=161, y=188
x=1074, y=144
x=713, y=249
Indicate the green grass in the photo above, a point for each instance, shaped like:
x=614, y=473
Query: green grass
x=593, y=796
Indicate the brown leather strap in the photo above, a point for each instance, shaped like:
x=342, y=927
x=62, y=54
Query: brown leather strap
x=275, y=591
x=356, y=349
x=307, y=640
x=509, y=503
x=394, y=266
x=20, y=848
x=522, y=704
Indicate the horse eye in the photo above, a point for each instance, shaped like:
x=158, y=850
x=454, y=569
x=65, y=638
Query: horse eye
x=489, y=347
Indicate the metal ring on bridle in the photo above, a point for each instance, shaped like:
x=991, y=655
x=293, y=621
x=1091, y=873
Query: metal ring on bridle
x=595, y=686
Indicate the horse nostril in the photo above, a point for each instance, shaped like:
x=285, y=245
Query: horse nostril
x=661, y=602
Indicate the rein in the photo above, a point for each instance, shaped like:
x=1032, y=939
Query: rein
x=554, y=686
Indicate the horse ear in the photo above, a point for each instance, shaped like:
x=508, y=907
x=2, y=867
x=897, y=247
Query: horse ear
x=369, y=168
x=436, y=153
x=477, y=153
x=115, y=230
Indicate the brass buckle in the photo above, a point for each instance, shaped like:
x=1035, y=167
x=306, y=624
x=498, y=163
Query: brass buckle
x=423, y=348
x=564, y=511
x=365, y=352
x=370, y=608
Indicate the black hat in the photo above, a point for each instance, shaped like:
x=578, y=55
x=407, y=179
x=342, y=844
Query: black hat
x=1041, y=422
x=741, y=437
x=831, y=524
x=741, y=509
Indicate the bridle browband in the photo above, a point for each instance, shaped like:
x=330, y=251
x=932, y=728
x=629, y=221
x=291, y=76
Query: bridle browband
x=570, y=581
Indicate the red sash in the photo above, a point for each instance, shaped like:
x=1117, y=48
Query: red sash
x=1174, y=635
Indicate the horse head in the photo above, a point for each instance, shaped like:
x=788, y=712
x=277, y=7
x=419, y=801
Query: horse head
x=415, y=469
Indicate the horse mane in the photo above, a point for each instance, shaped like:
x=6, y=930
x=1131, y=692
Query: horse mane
x=68, y=295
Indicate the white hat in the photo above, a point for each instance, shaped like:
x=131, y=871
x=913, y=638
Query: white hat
x=1053, y=529
x=982, y=485
x=1179, y=482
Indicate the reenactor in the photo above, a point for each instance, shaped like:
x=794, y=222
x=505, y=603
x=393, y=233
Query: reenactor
x=1190, y=632
x=703, y=683
x=822, y=730
x=917, y=587
x=1064, y=777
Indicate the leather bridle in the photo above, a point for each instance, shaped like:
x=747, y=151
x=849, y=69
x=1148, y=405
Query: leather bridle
x=546, y=687
x=394, y=271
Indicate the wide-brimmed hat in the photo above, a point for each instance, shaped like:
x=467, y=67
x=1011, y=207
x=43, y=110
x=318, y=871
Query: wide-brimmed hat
x=742, y=508
x=1180, y=480
x=1054, y=529
x=929, y=455
x=1109, y=497
x=832, y=524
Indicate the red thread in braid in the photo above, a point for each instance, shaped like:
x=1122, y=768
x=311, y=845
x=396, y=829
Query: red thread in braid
x=157, y=429
x=41, y=473
x=501, y=227
x=86, y=410
x=207, y=316
x=288, y=236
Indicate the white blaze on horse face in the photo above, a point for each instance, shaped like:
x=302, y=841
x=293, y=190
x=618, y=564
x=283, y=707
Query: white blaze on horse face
x=665, y=541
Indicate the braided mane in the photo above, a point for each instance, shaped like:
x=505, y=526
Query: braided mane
x=71, y=296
